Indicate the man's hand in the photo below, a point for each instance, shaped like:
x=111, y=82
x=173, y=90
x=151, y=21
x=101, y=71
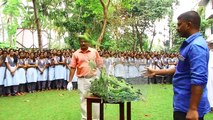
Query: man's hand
x=192, y=115
x=150, y=72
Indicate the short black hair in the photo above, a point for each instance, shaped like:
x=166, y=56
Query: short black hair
x=191, y=16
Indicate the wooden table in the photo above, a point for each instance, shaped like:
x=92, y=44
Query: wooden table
x=93, y=99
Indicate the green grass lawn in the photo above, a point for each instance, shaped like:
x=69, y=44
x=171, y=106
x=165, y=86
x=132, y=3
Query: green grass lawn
x=65, y=105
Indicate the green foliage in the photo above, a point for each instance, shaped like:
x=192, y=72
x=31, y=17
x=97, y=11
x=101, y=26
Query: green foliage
x=141, y=16
x=146, y=45
x=176, y=39
x=112, y=90
x=4, y=45
x=12, y=9
x=78, y=16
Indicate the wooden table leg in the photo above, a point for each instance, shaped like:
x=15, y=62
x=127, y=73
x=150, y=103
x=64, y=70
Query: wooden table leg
x=89, y=109
x=128, y=110
x=101, y=111
x=121, y=106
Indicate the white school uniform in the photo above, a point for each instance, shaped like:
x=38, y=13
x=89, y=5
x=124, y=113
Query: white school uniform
x=41, y=64
x=133, y=70
x=59, y=69
x=9, y=79
x=119, y=68
x=68, y=60
x=171, y=60
x=31, y=72
x=51, y=74
x=126, y=68
x=166, y=62
x=107, y=64
x=21, y=72
x=75, y=78
x=2, y=73
x=111, y=66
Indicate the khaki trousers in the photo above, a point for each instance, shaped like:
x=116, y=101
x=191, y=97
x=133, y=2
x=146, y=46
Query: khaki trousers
x=84, y=86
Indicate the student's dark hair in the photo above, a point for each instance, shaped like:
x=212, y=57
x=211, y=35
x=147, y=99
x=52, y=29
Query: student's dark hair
x=15, y=57
x=191, y=16
x=60, y=58
x=3, y=51
x=33, y=56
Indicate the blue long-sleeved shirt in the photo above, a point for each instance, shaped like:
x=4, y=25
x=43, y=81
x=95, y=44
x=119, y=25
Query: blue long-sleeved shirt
x=192, y=69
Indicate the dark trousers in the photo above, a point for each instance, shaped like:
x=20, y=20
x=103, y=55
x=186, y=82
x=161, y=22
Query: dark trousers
x=181, y=116
x=1, y=89
x=64, y=84
x=58, y=83
x=31, y=87
x=152, y=80
x=75, y=85
x=11, y=89
x=49, y=84
x=41, y=85
x=22, y=88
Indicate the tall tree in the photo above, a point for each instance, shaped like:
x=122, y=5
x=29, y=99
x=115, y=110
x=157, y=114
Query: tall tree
x=141, y=16
x=12, y=10
x=37, y=24
x=105, y=12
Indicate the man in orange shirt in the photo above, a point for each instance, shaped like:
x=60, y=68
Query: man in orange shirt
x=85, y=60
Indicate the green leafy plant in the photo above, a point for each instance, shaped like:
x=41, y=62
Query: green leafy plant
x=113, y=90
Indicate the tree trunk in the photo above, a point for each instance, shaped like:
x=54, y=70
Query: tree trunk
x=37, y=25
x=49, y=39
x=153, y=36
x=135, y=36
x=140, y=36
x=2, y=23
x=105, y=11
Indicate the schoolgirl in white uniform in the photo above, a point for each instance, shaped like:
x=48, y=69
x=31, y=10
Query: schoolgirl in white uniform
x=2, y=70
x=42, y=72
x=142, y=65
x=21, y=72
x=51, y=73
x=106, y=62
x=64, y=81
x=75, y=81
x=165, y=61
x=133, y=71
x=67, y=63
x=75, y=78
x=172, y=61
x=59, y=69
x=119, y=67
x=11, y=82
x=111, y=65
x=31, y=73
x=126, y=66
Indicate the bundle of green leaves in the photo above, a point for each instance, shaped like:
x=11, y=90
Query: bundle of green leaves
x=110, y=89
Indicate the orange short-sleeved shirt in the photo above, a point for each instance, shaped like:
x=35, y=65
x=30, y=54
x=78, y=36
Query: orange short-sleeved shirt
x=81, y=60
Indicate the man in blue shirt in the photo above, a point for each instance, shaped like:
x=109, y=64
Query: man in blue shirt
x=190, y=100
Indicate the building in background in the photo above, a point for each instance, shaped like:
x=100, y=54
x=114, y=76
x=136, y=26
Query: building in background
x=27, y=37
x=208, y=4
